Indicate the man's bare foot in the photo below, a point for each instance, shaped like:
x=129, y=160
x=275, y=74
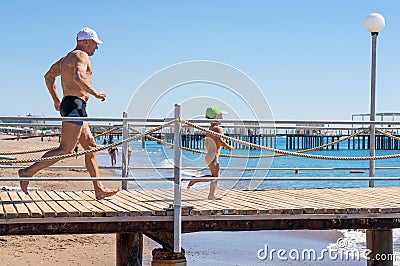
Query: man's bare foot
x=213, y=197
x=101, y=194
x=23, y=184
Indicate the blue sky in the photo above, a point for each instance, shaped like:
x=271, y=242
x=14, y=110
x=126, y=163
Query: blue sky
x=311, y=59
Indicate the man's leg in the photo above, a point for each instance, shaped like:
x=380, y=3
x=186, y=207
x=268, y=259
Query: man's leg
x=69, y=136
x=88, y=142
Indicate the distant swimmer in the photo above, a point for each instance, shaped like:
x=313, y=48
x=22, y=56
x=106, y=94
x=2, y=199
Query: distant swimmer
x=75, y=70
x=213, y=145
x=112, y=151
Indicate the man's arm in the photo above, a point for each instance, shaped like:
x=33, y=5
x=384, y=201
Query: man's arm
x=83, y=78
x=50, y=79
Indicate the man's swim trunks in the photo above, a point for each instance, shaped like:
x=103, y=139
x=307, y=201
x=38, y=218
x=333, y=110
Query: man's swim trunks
x=72, y=106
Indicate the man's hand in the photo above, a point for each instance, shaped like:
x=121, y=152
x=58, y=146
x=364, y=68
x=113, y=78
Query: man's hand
x=101, y=95
x=57, y=105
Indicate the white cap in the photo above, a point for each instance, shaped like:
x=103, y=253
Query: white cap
x=88, y=34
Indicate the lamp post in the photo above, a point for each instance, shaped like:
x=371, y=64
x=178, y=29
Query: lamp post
x=374, y=23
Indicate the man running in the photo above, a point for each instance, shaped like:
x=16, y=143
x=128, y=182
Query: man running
x=213, y=145
x=75, y=70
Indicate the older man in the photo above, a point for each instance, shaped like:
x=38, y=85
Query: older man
x=75, y=70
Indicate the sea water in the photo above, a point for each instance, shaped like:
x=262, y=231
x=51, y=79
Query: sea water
x=157, y=155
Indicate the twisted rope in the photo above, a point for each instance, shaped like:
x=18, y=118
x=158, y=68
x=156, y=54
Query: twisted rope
x=64, y=156
x=311, y=156
x=387, y=134
x=252, y=156
x=55, y=147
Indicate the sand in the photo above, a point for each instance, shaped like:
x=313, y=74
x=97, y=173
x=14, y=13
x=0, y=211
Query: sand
x=56, y=249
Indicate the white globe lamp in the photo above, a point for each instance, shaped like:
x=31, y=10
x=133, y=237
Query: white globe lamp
x=375, y=22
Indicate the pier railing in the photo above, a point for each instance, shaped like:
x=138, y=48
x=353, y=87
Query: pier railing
x=243, y=133
x=298, y=135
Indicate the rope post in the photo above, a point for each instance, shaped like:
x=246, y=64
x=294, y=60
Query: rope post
x=125, y=162
x=177, y=181
x=372, y=113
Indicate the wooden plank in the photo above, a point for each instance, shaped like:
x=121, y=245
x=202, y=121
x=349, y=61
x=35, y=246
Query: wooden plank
x=322, y=202
x=79, y=208
x=132, y=211
x=19, y=205
x=356, y=202
x=34, y=210
x=342, y=196
x=72, y=212
x=320, y=205
x=221, y=206
x=105, y=210
x=241, y=199
x=157, y=201
x=196, y=198
x=10, y=211
x=2, y=211
x=47, y=211
x=117, y=209
x=388, y=202
x=93, y=209
x=58, y=210
x=138, y=209
x=146, y=209
x=201, y=204
x=269, y=200
x=315, y=200
x=331, y=203
x=217, y=207
x=155, y=208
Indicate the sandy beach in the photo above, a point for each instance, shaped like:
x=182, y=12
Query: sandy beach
x=56, y=249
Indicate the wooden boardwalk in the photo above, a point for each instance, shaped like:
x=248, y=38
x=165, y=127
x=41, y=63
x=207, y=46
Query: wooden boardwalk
x=57, y=212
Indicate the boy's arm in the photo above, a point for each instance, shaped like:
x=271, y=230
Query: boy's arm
x=222, y=141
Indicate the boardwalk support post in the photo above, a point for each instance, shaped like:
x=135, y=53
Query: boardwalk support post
x=125, y=162
x=177, y=182
x=129, y=245
x=380, y=243
x=129, y=249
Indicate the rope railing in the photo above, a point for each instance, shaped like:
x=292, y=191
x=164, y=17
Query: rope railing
x=387, y=134
x=146, y=134
x=64, y=156
x=289, y=153
x=221, y=178
x=55, y=147
x=253, y=156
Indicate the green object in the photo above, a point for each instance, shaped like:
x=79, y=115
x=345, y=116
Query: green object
x=7, y=158
x=213, y=111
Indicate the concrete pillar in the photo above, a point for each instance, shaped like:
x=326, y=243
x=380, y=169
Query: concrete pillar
x=129, y=249
x=165, y=257
x=380, y=243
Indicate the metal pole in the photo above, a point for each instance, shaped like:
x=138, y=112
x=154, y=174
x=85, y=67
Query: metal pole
x=125, y=162
x=177, y=182
x=372, y=113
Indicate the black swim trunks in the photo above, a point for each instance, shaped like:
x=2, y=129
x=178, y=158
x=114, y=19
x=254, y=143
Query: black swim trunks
x=72, y=106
